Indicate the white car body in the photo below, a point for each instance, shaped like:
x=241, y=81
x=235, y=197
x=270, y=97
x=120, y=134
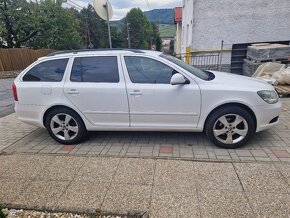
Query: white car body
x=134, y=106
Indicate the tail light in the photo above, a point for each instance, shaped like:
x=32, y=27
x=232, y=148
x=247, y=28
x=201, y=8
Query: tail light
x=14, y=92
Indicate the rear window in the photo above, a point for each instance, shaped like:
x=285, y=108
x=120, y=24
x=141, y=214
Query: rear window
x=95, y=69
x=47, y=71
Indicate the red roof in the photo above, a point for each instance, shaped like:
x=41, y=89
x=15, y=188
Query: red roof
x=178, y=15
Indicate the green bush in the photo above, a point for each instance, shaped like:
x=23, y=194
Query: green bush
x=2, y=214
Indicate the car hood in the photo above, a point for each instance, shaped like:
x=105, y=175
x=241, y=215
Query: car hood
x=235, y=81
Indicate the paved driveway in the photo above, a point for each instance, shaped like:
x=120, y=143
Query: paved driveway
x=6, y=97
x=270, y=145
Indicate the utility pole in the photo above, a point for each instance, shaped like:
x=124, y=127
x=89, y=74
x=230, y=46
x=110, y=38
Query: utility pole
x=128, y=31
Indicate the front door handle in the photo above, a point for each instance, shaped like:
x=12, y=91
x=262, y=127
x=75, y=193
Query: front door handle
x=73, y=92
x=136, y=92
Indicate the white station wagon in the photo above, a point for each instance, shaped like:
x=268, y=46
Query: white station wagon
x=72, y=92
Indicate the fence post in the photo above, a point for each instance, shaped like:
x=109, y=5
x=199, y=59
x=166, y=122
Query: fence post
x=221, y=55
x=1, y=65
x=187, y=55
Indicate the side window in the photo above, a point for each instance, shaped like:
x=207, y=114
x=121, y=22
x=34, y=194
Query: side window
x=95, y=69
x=48, y=71
x=147, y=70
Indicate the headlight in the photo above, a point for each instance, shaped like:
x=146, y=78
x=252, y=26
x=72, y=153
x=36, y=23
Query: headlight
x=268, y=96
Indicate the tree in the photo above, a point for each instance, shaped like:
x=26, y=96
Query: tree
x=59, y=27
x=93, y=29
x=139, y=27
x=156, y=36
x=39, y=25
x=18, y=21
x=117, y=37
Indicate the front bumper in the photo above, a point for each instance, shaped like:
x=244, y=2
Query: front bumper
x=265, y=115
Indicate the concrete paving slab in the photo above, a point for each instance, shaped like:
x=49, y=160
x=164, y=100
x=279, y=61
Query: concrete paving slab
x=215, y=203
x=83, y=194
x=261, y=177
x=141, y=171
x=99, y=169
x=174, y=202
x=176, y=190
x=284, y=169
x=62, y=168
x=220, y=176
x=24, y=166
x=11, y=189
x=270, y=204
x=122, y=198
x=174, y=173
x=42, y=194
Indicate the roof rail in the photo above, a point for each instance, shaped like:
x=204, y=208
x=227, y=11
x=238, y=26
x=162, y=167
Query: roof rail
x=99, y=49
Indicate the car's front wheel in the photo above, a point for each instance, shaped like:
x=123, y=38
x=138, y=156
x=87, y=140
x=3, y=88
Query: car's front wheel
x=230, y=127
x=65, y=126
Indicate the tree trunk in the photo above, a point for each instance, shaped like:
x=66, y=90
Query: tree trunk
x=9, y=28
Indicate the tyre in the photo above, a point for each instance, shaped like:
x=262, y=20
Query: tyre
x=230, y=127
x=65, y=126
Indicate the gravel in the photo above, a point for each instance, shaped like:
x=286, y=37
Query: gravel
x=9, y=74
x=13, y=213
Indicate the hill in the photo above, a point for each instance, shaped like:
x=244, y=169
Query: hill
x=167, y=30
x=164, y=16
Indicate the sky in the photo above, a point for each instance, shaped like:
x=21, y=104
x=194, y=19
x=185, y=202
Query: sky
x=121, y=7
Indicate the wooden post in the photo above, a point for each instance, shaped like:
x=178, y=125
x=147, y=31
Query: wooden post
x=187, y=55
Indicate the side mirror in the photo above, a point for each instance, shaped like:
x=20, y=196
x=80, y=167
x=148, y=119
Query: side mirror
x=178, y=79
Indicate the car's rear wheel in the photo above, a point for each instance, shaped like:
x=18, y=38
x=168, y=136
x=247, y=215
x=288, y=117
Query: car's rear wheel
x=230, y=127
x=65, y=126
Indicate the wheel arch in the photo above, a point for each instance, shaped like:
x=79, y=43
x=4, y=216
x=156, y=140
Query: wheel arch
x=247, y=108
x=59, y=106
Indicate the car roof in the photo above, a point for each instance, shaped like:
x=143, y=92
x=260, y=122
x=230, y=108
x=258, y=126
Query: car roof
x=89, y=52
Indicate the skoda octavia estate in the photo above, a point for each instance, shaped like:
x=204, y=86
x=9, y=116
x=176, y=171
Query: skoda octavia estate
x=72, y=92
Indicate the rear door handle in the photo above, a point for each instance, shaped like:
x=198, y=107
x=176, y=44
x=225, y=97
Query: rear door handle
x=73, y=91
x=136, y=92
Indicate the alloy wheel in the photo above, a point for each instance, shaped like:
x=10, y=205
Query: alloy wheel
x=64, y=126
x=230, y=128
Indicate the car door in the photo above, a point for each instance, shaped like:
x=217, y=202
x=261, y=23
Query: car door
x=97, y=88
x=153, y=101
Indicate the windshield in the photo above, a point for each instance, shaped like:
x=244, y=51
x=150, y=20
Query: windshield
x=191, y=69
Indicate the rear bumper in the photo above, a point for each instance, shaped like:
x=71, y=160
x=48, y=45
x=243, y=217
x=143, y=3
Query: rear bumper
x=31, y=114
x=266, y=114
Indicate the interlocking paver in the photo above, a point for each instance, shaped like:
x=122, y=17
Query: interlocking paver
x=282, y=154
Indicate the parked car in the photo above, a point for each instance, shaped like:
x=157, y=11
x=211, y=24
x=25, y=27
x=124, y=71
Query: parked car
x=72, y=92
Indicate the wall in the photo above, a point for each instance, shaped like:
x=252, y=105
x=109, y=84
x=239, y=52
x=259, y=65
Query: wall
x=177, y=44
x=211, y=21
